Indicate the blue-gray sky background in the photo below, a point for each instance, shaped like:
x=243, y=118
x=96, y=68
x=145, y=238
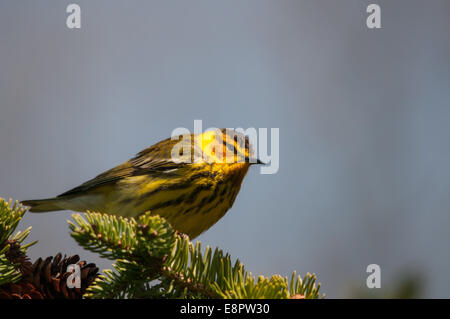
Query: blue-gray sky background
x=364, y=118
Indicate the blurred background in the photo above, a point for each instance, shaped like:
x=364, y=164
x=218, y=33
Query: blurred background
x=364, y=119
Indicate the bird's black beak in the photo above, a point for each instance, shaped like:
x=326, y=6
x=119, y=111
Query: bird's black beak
x=258, y=161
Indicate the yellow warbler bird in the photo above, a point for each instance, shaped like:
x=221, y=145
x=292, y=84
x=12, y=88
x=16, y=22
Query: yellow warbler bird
x=191, y=180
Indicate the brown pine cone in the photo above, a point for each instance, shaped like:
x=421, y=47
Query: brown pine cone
x=17, y=256
x=46, y=278
x=20, y=290
x=50, y=276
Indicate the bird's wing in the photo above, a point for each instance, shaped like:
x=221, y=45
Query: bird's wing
x=156, y=159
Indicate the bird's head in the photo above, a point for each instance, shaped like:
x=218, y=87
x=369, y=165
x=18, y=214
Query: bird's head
x=225, y=146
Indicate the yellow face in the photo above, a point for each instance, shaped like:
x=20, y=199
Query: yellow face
x=226, y=147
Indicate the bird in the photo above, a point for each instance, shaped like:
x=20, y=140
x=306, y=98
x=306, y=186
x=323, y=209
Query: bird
x=191, y=180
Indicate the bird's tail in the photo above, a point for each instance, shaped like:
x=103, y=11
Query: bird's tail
x=43, y=205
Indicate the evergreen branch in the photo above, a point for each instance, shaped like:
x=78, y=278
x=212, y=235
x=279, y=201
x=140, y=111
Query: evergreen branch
x=112, y=237
x=10, y=216
x=45, y=278
x=124, y=283
x=303, y=288
x=9, y=272
x=156, y=262
x=153, y=261
x=11, y=250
